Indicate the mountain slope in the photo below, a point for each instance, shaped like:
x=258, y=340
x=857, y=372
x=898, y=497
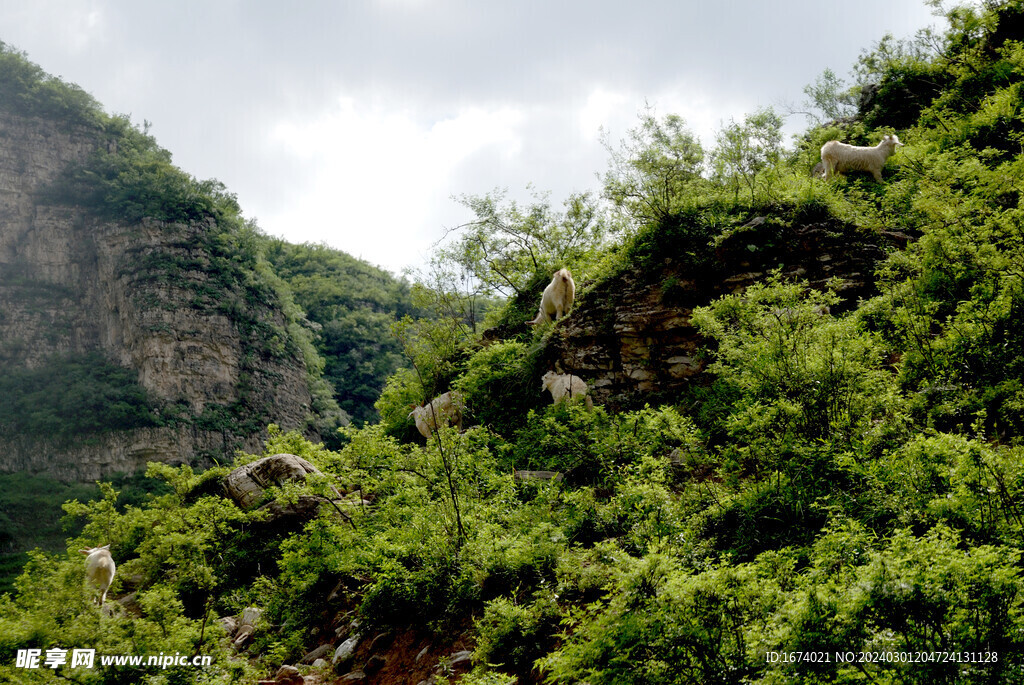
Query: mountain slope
x=839, y=499
x=355, y=305
x=139, y=321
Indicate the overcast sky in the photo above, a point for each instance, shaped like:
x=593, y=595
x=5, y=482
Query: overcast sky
x=353, y=123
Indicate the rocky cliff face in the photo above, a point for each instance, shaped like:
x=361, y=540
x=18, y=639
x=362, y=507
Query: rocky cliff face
x=632, y=337
x=212, y=355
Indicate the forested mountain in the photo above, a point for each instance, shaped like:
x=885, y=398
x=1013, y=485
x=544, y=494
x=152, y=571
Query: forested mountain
x=816, y=476
x=140, y=317
x=355, y=305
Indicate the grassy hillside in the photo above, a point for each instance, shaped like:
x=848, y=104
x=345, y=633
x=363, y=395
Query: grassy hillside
x=840, y=501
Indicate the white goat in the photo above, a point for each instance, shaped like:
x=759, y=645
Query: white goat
x=99, y=569
x=444, y=409
x=557, y=297
x=839, y=157
x=564, y=386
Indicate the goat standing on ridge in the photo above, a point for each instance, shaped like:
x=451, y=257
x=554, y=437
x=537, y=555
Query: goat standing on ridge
x=557, y=298
x=839, y=157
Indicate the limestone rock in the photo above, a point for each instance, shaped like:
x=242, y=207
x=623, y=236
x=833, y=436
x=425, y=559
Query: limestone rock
x=230, y=624
x=318, y=653
x=523, y=476
x=632, y=336
x=461, y=661
x=380, y=642
x=130, y=602
x=246, y=484
x=346, y=650
x=145, y=295
x=288, y=675
x=374, y=664
x=247, y=625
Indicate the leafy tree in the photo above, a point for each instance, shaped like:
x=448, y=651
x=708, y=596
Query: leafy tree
x=500, y=252
x=653, y=168
x=746, y=151
x=355, y=305
x=27, y=90
x=830, y=96
x=797, y=370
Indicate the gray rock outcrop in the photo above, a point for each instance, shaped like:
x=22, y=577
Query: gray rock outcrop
x=144, y=295
x=633, y=336
x=246, y=484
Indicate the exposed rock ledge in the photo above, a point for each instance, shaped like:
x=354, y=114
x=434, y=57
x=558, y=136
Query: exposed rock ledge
x=632, y=335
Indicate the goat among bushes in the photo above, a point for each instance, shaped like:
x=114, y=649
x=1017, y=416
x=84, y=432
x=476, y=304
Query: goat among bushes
x=839, y=157
x=99, y=570
x=444, y=409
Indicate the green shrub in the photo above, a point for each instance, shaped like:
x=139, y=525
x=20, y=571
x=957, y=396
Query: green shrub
x=512, y=636
x=567, y=437
x=500, y=384
x=429, y=592
x=27, y=90
x=796, y=373
x=401, y=392
x=513, y=563
x=586, y=520
x=908, y=593
x=761, y=516
x=661, y=625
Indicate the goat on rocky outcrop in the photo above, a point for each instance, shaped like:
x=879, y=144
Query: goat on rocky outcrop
x=564, y=386
x=557, y=298
x=839, y=157
x=444, y=409
x=99, y=569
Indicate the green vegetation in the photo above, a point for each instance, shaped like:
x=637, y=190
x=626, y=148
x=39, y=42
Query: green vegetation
x=131, y=178
x=355, y=306
x=31, y=514
x=71, y=396
x=847, y=484
x=28, y=90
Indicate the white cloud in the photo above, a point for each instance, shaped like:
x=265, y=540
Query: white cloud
x=72, y=25
x=601, y=107
x=476, y=96
x=378, y=172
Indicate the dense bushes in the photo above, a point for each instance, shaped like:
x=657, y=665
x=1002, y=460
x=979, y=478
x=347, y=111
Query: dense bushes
x=175, y=562
x=72, y=396
x=500, y=384
x=27, y=90
x=355, y=304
